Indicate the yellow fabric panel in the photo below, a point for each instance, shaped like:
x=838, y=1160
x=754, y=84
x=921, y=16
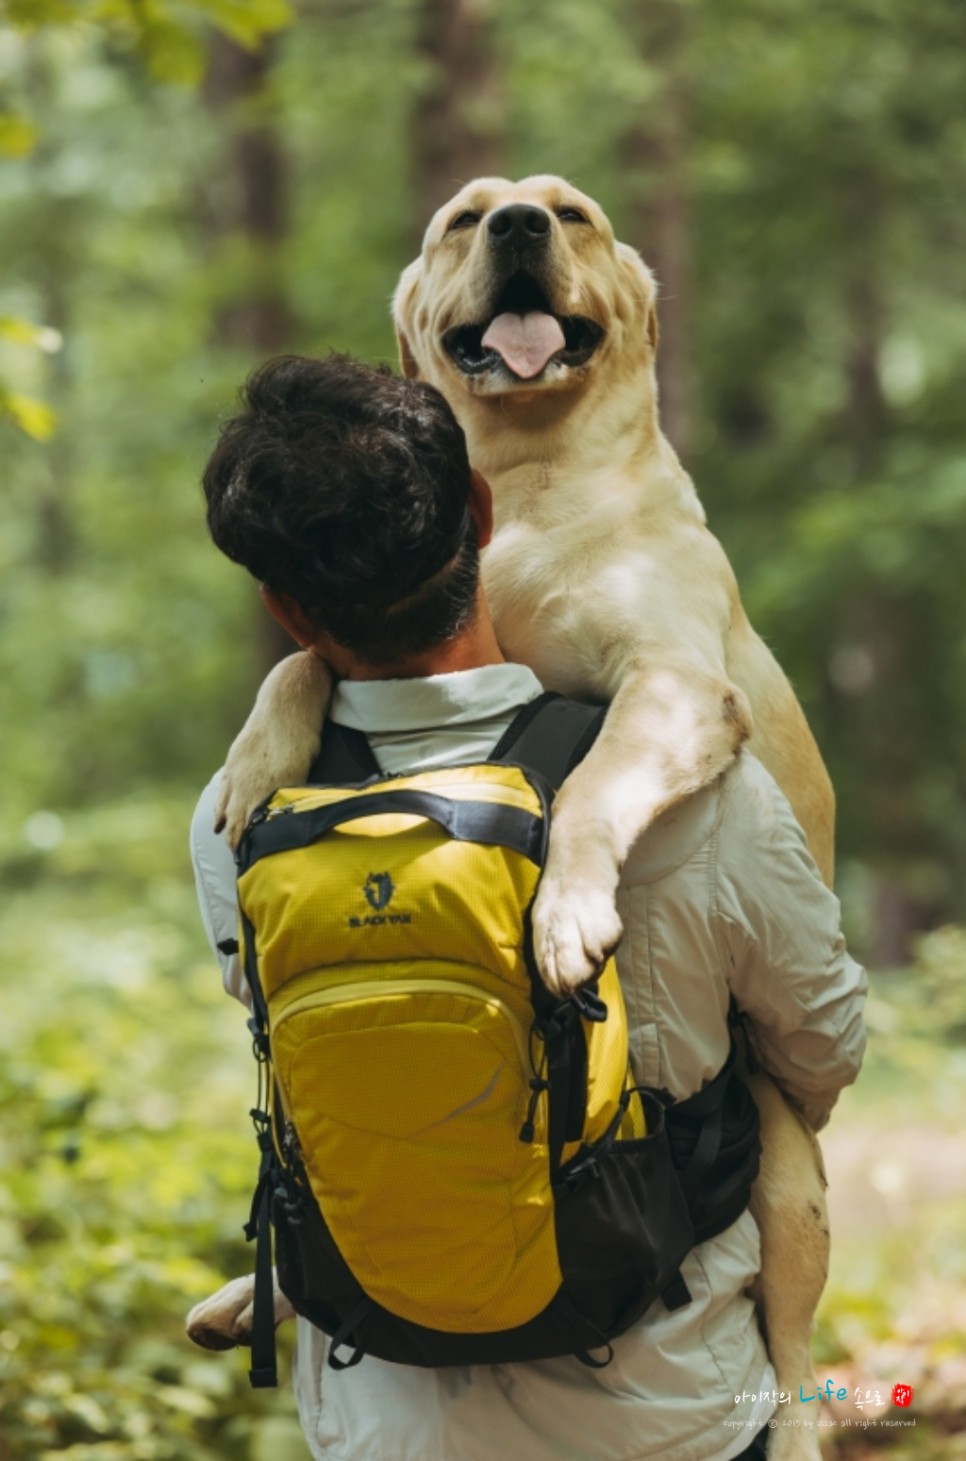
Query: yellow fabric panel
x=309, y=906
x=463, y=1238
x=607, y=1069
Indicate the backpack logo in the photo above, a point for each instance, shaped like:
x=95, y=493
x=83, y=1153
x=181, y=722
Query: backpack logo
x=378, y=889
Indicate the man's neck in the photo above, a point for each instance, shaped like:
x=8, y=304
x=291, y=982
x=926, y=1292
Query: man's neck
x=469, y=650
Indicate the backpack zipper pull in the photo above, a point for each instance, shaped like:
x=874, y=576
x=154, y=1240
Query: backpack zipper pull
x=537, y=1086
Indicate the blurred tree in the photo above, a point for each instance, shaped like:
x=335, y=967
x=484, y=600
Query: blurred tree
x=247, y=213
x=797, y=166
x=457, y=131
x=247, y=197
x=655, y=150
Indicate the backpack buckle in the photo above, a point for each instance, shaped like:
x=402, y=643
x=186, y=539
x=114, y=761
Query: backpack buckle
x=260, y=1046
x=587, y=1170
x=589, y=1003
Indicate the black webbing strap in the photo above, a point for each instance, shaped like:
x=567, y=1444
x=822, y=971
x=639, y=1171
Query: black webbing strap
x=558, y=1035
x=264, y=1371
x=345, y=758
x=677, y=1293
x=715, y=1145
x=705, y=1106
x=550, y=735
x=350, y=1332
x=466, y=821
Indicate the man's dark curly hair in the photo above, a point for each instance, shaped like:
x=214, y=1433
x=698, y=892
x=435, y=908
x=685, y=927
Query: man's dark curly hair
x=347, y=487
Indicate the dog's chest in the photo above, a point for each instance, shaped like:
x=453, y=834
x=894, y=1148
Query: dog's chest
x=538, y=588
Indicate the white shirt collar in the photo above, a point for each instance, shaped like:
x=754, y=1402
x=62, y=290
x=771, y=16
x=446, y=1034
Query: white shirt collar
x=389, y=706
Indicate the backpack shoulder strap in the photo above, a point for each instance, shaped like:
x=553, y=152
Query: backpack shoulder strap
x=550, y=735
x=344, y=758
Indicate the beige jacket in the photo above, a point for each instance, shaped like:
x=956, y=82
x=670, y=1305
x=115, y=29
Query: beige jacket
x=720, y=897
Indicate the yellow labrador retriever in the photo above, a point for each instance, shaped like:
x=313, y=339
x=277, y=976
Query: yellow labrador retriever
x=541, y=331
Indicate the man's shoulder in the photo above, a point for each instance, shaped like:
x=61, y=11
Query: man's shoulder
x=755, y=812
x=741, y=803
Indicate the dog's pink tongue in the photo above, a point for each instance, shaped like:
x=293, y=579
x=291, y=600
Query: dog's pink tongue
x=525, y=342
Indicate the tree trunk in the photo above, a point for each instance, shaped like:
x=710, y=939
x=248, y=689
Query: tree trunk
x=865, y=408
x=654, y=151
x=253, y=198
x=57, y=245
x=250, y=199
x=457, y=125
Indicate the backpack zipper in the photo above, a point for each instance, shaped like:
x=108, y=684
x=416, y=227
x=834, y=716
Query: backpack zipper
x=286, y=1008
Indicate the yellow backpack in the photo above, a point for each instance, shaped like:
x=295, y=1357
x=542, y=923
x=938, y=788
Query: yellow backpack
x=456, y=1164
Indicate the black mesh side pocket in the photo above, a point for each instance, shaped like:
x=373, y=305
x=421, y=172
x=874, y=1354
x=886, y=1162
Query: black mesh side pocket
x=623, y=1226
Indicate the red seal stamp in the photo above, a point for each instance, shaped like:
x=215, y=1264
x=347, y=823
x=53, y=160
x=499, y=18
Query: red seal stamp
x=902, y=1394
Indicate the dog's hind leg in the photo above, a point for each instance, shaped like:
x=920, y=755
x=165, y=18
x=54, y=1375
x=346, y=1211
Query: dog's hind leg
x=225, y=1319
x=788, y=1204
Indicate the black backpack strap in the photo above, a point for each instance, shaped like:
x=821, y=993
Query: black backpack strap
x=715, y=1142
x=550, y=735
x=345, y=758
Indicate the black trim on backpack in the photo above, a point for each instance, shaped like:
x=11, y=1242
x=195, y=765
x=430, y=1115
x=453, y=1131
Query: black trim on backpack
x=264, y=1370
x=550, y=735
x=715, y=1142
x=467, y=821
x=345, y=758
x=263, y=1373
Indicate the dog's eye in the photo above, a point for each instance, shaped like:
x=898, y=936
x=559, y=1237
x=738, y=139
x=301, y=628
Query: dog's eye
x=463, y=220
x=571, y=215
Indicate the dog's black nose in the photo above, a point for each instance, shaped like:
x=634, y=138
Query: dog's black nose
x=519, y=225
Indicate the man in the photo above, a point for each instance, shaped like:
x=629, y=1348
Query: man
x=348, y=494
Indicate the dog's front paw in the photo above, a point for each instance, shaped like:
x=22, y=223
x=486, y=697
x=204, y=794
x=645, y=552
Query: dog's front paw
x=257, y=764
x=278, y=742
x=575, y=930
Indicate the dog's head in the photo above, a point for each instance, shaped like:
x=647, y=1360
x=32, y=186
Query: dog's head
x=521, y=288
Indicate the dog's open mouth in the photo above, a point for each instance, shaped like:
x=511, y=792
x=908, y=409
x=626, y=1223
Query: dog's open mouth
x=523, y=335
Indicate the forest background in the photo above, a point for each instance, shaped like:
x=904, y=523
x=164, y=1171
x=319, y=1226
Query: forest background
x=189, y=186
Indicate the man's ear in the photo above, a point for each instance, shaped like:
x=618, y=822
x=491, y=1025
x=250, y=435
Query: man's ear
x=401, y=314
x=481, y=507
x=285, y=611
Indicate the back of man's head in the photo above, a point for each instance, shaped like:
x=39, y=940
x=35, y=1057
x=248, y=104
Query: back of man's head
x=347, y=488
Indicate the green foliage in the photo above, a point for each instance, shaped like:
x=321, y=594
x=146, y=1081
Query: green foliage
x=126, y=1155
x=824, y=152
x=895, y=1305
x=33, y=417
x=823, y=164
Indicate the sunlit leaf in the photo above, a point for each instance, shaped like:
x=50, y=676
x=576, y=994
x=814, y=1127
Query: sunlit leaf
x=246, y=21
x=24, y=332
x=33, y=417
x=18, y=136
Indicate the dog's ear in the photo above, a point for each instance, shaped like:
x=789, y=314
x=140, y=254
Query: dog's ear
x=402, y=303
x=644, y=289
